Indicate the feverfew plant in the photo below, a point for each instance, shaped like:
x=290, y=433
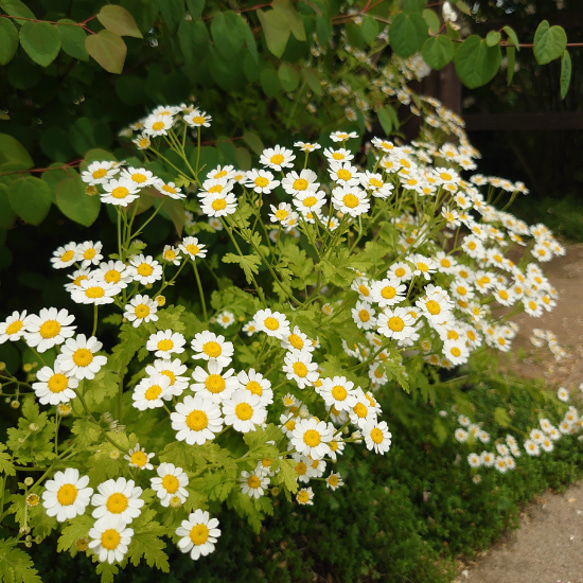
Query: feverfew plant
x=323, y=277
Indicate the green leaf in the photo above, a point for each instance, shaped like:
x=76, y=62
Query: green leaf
x=118, y=20
x=269, y=81
x=108, y=49
x=410, y=6
x=493, y=38
x=501, y=417
x=195, y=8
x=194, y=40
x=432, y=20
x=7, y=215
x=229, y=32
x=150, y=547
x=75, y=529
x=16, y=565
x=251, y=44
x=30, y=198
x=312, y=78
x=276, y=29
x=510, y=60
x=172, y=13
x=244, y=160
x=17, y=8
x=407, y=34
x=75, y=203
x=288, y=77
x=512, y=36
x=6, y=466
x=13, y=152
x=296, y=24
x=369, y=29
x=565, y=73
x=254, y=142
x=248, y=263
x=476, y=63
x=463, y=7
x=41, y=41
x=550, y=43
x=386, y=119
x=73, y=39
x=438, y=51
x=8, y=41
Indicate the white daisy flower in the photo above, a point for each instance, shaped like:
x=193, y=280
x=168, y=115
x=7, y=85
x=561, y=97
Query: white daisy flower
x=350, y=200
x=304, y=182
x=563, y=395
x=158, y=125
x=277, y=158
x=198, y=118
x=256, y=384
x=191, y=247
x=141, y=309
x=99, y=172
x=344, y=173
x=94, y=291
x=117, y=498
x=340, y=136
x=224, y=319
x=215, y=384
x=218, y=205
x=261, y=181
x=110, y=538
x=64, y=256
x=139, y=176
x=115, y=272
x=49, y=328
x=305, y=496
x=199, y=534
x=253, y=484
x=170, y=484
x=151, y=392
x=297, y=340
x=54, y=386
x=147, y=269
x=377, y=436
x=310, y=437
x=298, y=367
x=173, y=369
x=272, y=323
x=138, y=458
x=338, y=392
x=66, y=495
x=13, y=328
x=196, y=420
x=244, y=411
x=171, y=255
x=78, y=357
x=165, y=343
x=120, y=192
x=210, y=346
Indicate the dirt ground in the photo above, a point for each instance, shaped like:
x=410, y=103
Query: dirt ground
x=548, y=546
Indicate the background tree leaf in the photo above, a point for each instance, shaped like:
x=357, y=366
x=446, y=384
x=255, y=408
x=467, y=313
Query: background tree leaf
x=41, y=41
x=8, y=41
x=118, y=20
x=13, y=152
x=476, y=63
x=17, y=8
x=276, y=29
x=30, y=198
x=550, y=43
x=75, y=203
x=73, y=39
x=438, y=51
x=108, y=49
x=407, y=34
x=566, y=68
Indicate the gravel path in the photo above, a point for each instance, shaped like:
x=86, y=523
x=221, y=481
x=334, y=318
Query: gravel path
x=548, y=546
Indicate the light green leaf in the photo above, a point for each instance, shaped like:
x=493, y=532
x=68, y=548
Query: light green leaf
x=407, y=34
x=16, y=564
x=108, y=49
x=118, y=20
x=288, y=77
x=276, y=29
x=510, y=60
x=565, y=73
x=73, y=39
x=41, y=42
x=254, y=142
x=463, y=7
x=6, y=466
x=288, y=10
x=476, y=63
x=17, y=8
x=248, y=263
x=386, y=119
x=8, y=41
x=432, y=20
x=312, y=78
x=501, y=417
x=229, y=32
x=512, y=36
x=75, y=203
x=369, y=29
x=30, y=198
x=438, y=51
x=550, y=43
x=151, y=547
x=13, y=152
x=493, y=38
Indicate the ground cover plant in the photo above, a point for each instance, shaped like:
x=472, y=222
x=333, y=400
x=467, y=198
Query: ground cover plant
x=311, y=304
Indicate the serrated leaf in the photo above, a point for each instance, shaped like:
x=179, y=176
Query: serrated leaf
x=566, y=68
x=288, y=77
x=75, y=529
x=276, y=30
x=493, y=38
x=75, y=203
x=40, y=41
x=438, y=51
x=30, y=199
x=73, y=39
x=8, y=41
x=369, y=29
x=287, y=474
x=407, y=34
x=512, y=36
x=501, y=417
x=248, y=263
x=510, y=60
x=6, y=466
x=118, y=20
x=476, y=63
x=108, y=49
x=16, y=564
x=151, y=547
x=550, y=42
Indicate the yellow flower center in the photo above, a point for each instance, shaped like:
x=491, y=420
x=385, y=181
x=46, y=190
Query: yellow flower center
x=300, y=184
x=243, y=411
x=219, y=204
x=158, y=125
x=198, y=120
x=193, y=249
x=388, y=292
x=253, y=482
x=333, y=480
x=50, y=329
x=199, y=534
x=350, y=200
x=271, y=323
x=68, y=255
x=300, y=369
x=139, y=178
x=281, y=214
x=303, y=497
x=312, y=438
x=433, y=307
x=215, y=383
x=170, y=483
x=14, y=327
x=166, y=344
x=112, y=276
x=261, y=181
x=296, y=341
x=110, y=539
x=117, y=503
x=503, y=294
x=400, y=272
x=363, y=290
x=455, y=351
x=82, y=357
x=344, y=174
x=339, y=393
x=67, y=494
x=301, y=468
x=167, y=188
x=276, y=159
x=99, y=173
x=396, y=324
x=452, y=335
x=309, y=201
x=95, y=292
x=58, y=383
x=139, y=459
x=197, y=420
x=145, y=269
x=364, y=315
x=141, y=311
x=153, y=392
x=216, y=188
x=120, y=192
x=376, y=435
x=254, y=387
